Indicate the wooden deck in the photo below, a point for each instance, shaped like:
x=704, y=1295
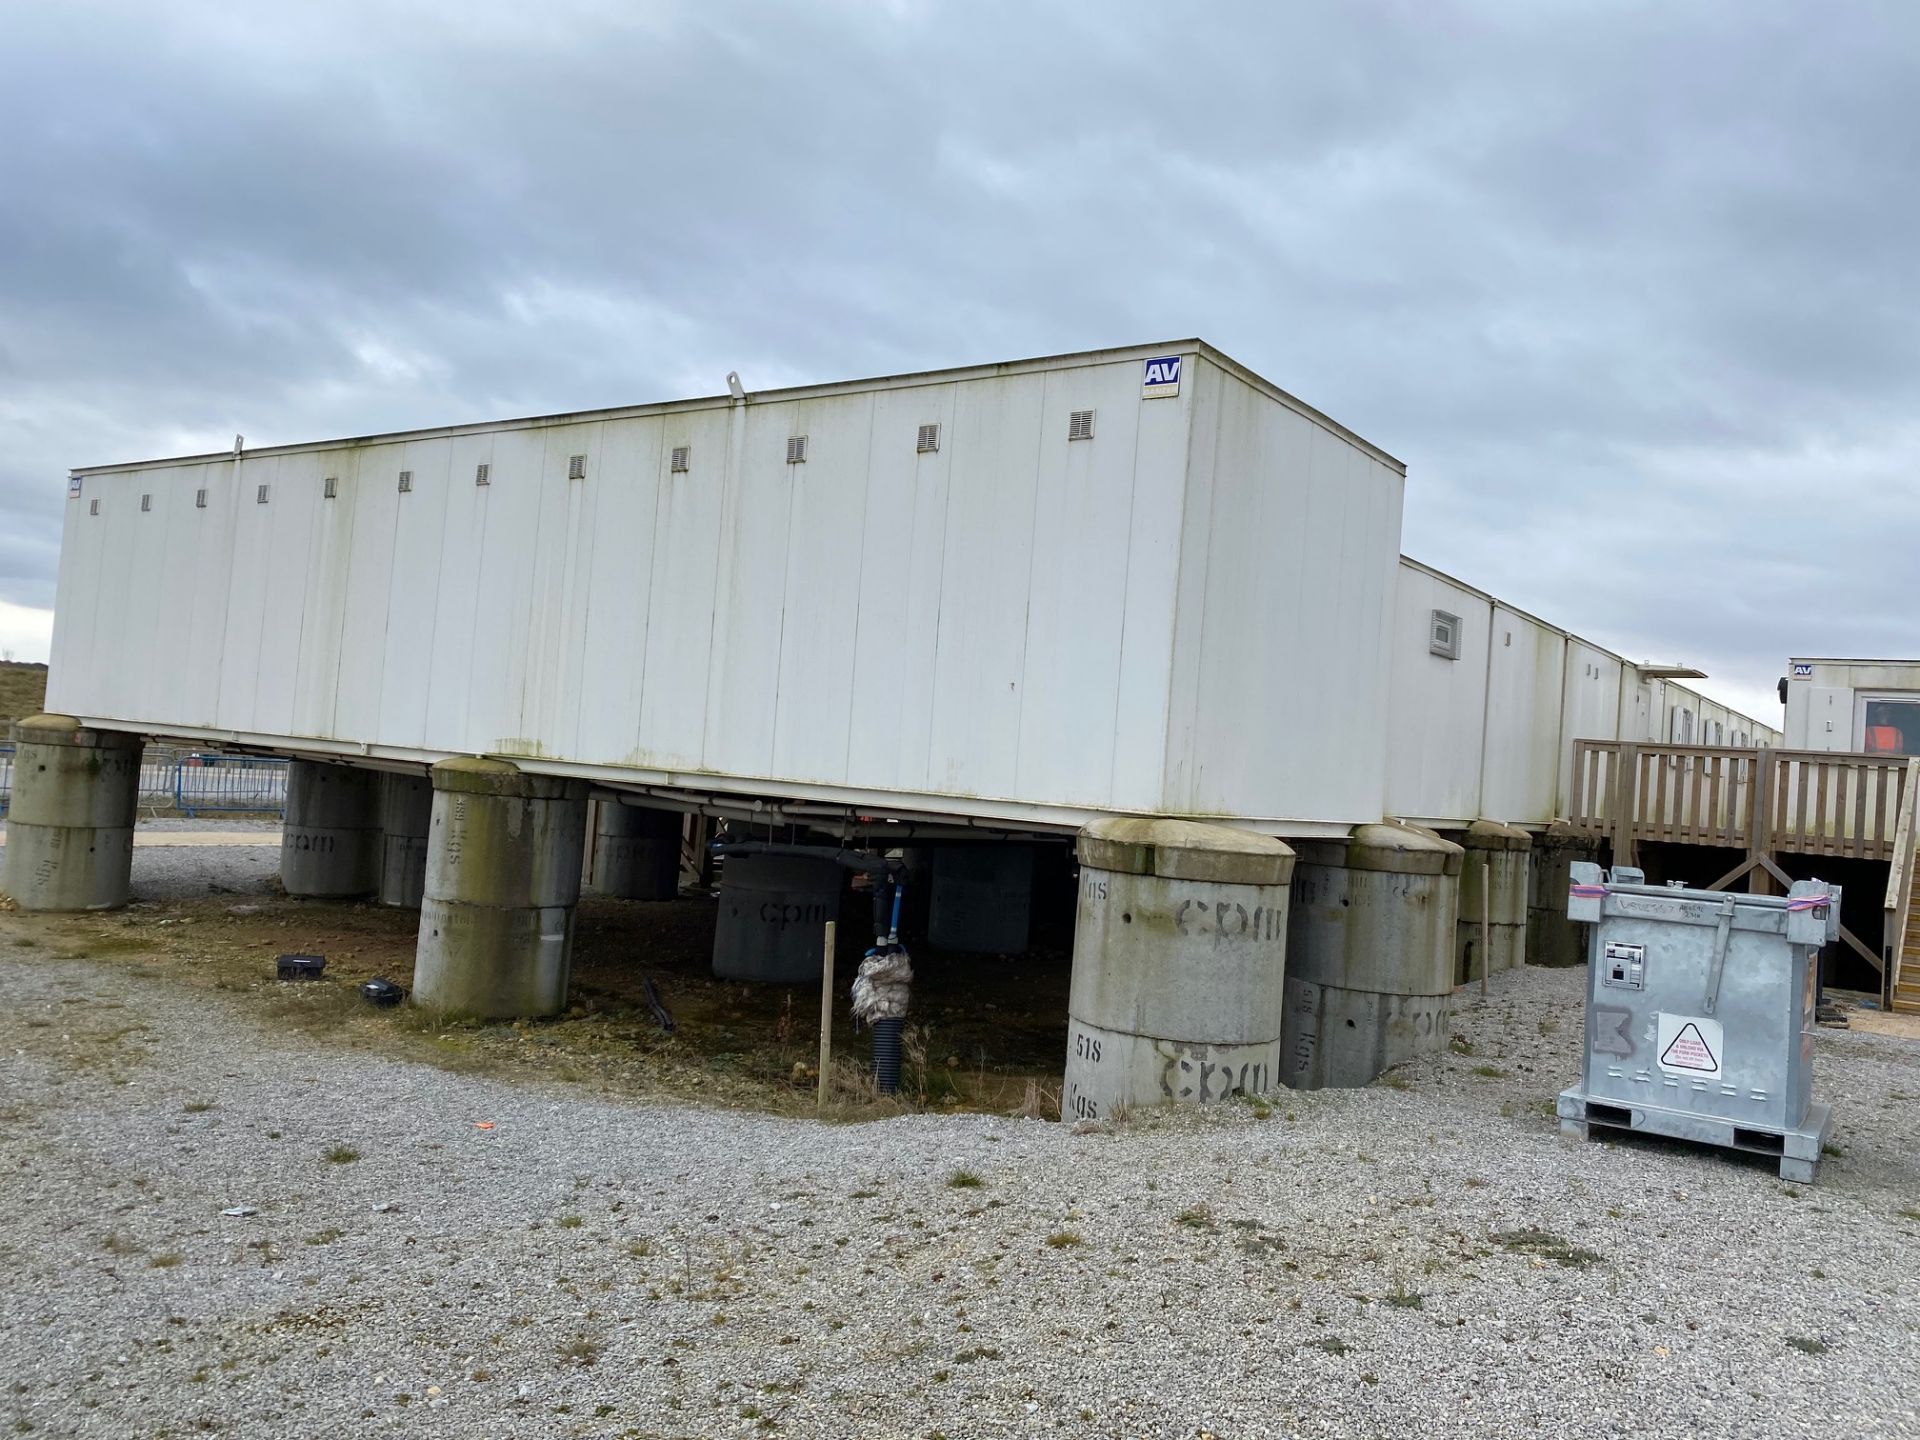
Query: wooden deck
x=1765, y=803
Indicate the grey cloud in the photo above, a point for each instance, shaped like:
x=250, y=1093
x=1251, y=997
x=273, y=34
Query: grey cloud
x=1627, y=286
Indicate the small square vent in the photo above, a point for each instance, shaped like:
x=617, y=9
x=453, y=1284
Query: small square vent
x=482, y=473
x=682, y=458
x=146, y=503
x=330, y=487
x=406, y=481
x=576, y=467
x=1443, y=637
x=199, y=499
x=1080, y=425
x=796, y=449
x=93, y=507
x=929, y=440
x=260, y=496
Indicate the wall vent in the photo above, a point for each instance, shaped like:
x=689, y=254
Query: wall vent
x=481, y=472
x=406, y=481
x=330, y=487
x=1080, y=425
x=1443, y=636
x=93, y=507
x=929, y=440
x=576, y=467
x=260, y=496
x=199, y=499
x=146, y=503
x=796, y=449
x=682, y=458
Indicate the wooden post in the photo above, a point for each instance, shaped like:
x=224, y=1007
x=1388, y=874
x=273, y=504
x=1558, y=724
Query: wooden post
x=1626, y=791
x=1760, y=833
x=826, y=1017
x=1486, y=927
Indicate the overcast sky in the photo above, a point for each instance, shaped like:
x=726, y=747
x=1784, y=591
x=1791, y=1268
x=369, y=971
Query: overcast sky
x=1631, y=288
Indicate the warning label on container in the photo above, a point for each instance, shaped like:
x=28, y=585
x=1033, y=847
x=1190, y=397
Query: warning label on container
x=1691, y=1044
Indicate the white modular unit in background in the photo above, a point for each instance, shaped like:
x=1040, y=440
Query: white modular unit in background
x=1437, y=731
x=1525, y=691
x=1871, y=705
x=1026, y=592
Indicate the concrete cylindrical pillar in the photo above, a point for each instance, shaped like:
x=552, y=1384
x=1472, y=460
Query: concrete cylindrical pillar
x=982, y=898
x=503, y=875
x=1369, y=954
x=773, y=914
x=1179, y=964
x=70, y=822
x=1553, y=939
x=330, y=841
x=636, y=851
x=406, y=818
x=1496, y=853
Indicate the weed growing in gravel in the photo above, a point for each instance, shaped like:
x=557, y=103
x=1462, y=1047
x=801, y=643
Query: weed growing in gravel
x=571, y=1222
x=578, y=1351
x=1489, y=1072
x=197, y=1107
x=340, y=1155
x=640, y=1249
x=1332, y=1344
x=1196, y=1217
x=164, y=1261
x=1910, y=1213
x=1063, y=1239
x=964, y=1180
x=977, y=1352
x=1548, y=1246
x=1807, y=1345
x=1402, y=1298
x=115, y=1242
x=1460, y=1045
x=326, y=1236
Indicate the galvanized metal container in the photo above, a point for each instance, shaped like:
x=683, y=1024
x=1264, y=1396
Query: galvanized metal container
x=1700, y=1014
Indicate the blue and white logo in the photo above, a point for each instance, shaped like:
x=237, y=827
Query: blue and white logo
x=1161, y=376
x=1802, y=672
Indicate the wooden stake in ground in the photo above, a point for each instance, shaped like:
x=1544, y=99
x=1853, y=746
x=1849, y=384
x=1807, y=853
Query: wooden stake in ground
x=1486, y=927
x=826, y=1016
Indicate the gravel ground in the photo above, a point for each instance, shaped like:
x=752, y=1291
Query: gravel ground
x=1425, y=1256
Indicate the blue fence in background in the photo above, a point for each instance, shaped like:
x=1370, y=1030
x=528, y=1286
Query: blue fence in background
x=195, y=784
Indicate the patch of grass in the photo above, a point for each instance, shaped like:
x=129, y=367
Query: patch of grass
x=1062, y=1239
x=1909, y=1213
x=1548, y=1246
x=571, y=1222
x=1808, y=1345
x=1402, y=1298
x=164, y=1261
x=197, y=1107
x=1196, y=1217
x=1332, y=1344
x=964, y=1180
x=640, y=1249
x=1489, y=1072
x=116, y=1242
x=1394, y=1080
x=976, y=1352
x=326, y=1236
x=578, y=1351
x=1460, y=1045
x=340, y=1155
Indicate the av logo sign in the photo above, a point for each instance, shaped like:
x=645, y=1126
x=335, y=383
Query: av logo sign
x=1161, y=377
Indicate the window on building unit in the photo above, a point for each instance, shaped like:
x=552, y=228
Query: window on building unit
x=1443, y=635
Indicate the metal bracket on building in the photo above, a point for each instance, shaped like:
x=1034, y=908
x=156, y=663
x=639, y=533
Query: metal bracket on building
x=1721, y=935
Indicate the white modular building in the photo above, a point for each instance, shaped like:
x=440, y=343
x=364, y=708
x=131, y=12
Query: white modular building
x=1141, y=580
x=1858, y=705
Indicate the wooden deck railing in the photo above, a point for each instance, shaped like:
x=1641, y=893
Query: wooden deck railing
x=1807, y=802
